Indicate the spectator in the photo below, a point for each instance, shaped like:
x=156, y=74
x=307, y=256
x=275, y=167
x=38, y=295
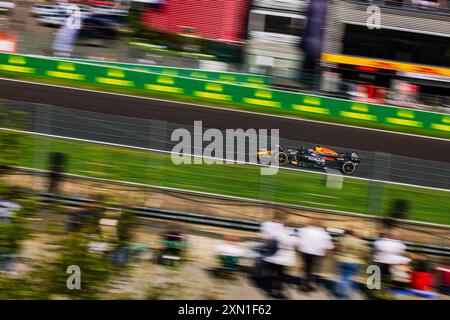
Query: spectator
x=313, y=241
x=174, y=244
x=7, y=207
x=422, y=278
x=351, y=254
x=229, y=253
x=8, y=243
x=444, y=279
x=230, y=247
x=271, y=228
x=389, y=252
x=268, y=230
x=281, y=255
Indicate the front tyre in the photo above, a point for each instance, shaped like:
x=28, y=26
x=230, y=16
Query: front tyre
x=348, y=168
x=282, y=159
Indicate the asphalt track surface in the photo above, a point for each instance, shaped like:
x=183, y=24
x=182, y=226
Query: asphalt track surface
x=102, y=127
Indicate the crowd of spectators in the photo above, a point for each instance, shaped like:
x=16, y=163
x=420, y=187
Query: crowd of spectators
x=352, y=255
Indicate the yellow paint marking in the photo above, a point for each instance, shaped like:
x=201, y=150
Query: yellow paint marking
x=65, y=75
x=310, y=109
x=165, y=80
x=115, y=73
x=253, y=85
x=215, y=96
x=117, y=82
x=199, y=75
x=227, y=77
x=360, y=107
x=265, y=103
x=263, y=94
x=66, y=66
x=17, y=68
x=446, y=119
x=404, y=122
x=312, y=100
x=355, y=115
x=169, y=72
x=164, y=88
x=214, y=87
x=405, y=114
x=442, y=127
x=256, y=80
x=16, y=60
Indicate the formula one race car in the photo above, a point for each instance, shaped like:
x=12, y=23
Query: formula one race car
x=318, y=157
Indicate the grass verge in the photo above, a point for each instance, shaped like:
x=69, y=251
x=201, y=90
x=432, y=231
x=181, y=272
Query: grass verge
x=290, y=187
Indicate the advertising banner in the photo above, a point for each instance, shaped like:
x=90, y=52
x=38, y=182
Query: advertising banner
x=210, y=90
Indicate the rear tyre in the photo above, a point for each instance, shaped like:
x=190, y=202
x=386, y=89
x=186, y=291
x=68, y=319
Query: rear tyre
x=348, y=168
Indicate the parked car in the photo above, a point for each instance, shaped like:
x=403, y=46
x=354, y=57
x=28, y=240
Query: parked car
x=7, y=7
x=110, y=10
x=52, y=20
x=40, y=10
x=113, y=19
x=60, y=16
x=46, y=9
x=94, y=27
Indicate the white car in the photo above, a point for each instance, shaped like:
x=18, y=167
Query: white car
x=108, y=10
x=7, y=6
x=84, y=12
x=46, y=9
x=52, y=19
x=58, y=18
x=60, y=8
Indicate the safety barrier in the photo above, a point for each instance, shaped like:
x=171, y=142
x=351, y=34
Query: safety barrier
x=225, y=77
x=265, y=99
x=223, y=222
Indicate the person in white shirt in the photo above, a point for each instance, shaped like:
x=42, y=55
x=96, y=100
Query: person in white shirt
x=230, y=248
x=271, y=228
x=229, y=253
x=7, y=208
x=313, y=241
x=281, y=247
x=389, y=252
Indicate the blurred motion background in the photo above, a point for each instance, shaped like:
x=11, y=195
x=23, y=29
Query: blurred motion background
x=98, y=190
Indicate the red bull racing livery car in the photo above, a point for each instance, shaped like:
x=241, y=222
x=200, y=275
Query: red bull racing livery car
x=318, y=157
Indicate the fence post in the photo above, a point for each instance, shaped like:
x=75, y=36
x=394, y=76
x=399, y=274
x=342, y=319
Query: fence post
x=42, y=124
x=158, y=139
x=267, y=185
x=380, y=173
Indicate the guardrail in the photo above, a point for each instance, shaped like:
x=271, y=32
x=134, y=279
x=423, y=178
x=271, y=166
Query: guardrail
x=223, y=222
x=264, y=99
